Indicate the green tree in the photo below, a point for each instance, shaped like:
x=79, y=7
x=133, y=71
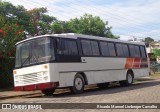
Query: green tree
x=87, y=24
x=156, y=52
x=34, y=22
x=57, y=27
x=40, y=21
x=148, y=40
x=16, y=14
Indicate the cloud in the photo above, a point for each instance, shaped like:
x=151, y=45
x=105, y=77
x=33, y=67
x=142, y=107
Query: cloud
x=137, y=17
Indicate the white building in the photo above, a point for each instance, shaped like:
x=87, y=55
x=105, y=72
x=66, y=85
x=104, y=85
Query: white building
x=151, y=46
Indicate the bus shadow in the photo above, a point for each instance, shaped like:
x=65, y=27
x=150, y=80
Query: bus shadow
x=116, y=88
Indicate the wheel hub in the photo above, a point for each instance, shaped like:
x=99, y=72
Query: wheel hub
x=129, y=78
x=78, y=83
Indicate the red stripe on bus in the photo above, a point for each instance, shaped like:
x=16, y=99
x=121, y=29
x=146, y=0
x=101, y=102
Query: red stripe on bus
x=129, y=63
x=136, y=63
x=40, y=86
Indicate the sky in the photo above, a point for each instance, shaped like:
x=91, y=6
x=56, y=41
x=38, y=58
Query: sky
x=128, y=18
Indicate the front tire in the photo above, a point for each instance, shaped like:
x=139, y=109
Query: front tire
x=128, y=81
x=48, y=92
x=78, y=84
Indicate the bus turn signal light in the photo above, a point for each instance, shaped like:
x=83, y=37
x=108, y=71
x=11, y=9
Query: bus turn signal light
x=45, y=66
x=14, y=72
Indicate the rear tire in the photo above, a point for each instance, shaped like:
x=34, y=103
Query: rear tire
x=128, y=81
x=78, y=84
x=48, y=92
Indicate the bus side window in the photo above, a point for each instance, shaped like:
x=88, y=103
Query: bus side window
x=86, y=47
x=59, y=46
x=125, y=50
x=95, y=48
x=62, y=46
x=137, y=51
x=65, y=49
x=72, y=47
x=112, y=51
x=132, y=50
x=143, y=53
x=119, y=50
x=104, y=48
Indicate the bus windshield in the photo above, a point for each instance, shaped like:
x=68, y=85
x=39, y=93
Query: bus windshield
x=34, y=52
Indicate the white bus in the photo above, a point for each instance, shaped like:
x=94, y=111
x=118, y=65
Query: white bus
x=72, y=60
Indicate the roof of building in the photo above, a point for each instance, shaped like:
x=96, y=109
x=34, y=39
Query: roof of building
x=155, y=43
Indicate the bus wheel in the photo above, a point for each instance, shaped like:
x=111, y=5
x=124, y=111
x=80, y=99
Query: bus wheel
x=48, y=92
x=128, y=81
x=78, y=84
x=103, y=85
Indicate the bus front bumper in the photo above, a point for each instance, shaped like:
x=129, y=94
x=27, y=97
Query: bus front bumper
x=39, y=86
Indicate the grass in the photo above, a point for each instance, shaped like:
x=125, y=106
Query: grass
x=151, y=77
x=142, y=80
x=156, y=74
x=136, y=81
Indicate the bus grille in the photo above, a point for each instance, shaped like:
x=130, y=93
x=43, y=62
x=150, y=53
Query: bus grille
x=30, y=78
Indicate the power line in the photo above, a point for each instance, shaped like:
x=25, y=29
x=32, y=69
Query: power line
x=116, y=21
x=143, y=28
x=114, y=16
x=76, y=9
x=135, y=20
x=66, y=11
x=91, y=9
x=51, y=10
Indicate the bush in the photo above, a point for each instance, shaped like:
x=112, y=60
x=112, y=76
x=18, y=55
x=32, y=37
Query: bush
x=6, y=74
x=10, y=33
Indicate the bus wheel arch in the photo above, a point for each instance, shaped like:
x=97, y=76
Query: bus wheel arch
x=131, y=71
x=129, y=78
x=78, y=84
x=84, y=76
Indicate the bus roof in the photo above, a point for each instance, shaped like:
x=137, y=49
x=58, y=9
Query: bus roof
x=75, y=36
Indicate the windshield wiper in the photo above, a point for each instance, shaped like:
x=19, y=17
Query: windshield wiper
x=35, y=59
x=25, y=60
x=29, y=58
